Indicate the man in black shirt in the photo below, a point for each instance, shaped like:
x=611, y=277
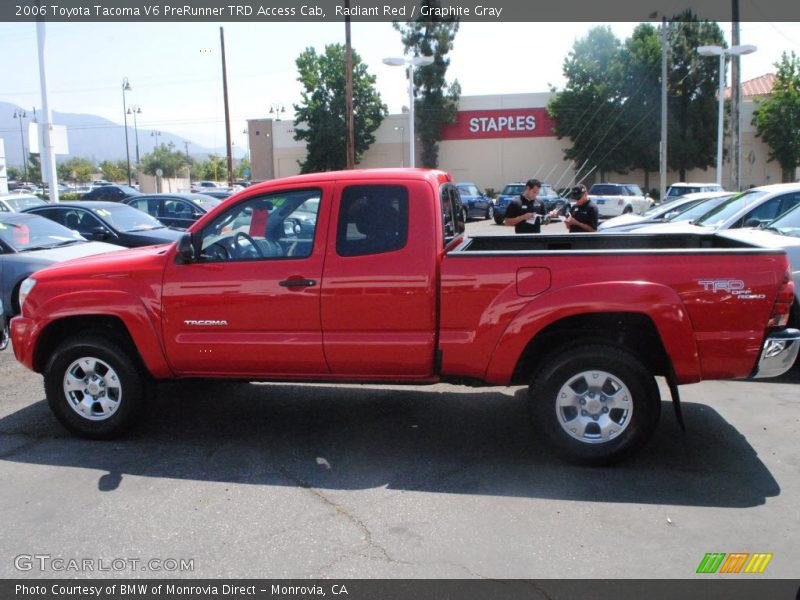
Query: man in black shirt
x=583, y=214
x=527, y=213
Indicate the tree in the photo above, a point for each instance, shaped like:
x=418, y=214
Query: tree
x=589, y=110
x=211, y=169
x=114, y=171
x=320, y=119
x=239, y=171
x=34, y=168
x=692, y=102
x=164, y=157
x=15, y=173
x=777, y=118
x=81, y=167
x=437, y=105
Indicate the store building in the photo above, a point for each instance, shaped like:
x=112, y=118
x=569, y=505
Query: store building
x=499, y=139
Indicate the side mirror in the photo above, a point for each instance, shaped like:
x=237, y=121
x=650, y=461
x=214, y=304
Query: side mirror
x=100, y=233
x=752, y=222
x=186, y=254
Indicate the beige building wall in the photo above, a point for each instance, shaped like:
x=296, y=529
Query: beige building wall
x=493, y=162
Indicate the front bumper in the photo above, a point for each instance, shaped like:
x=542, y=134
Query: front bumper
x=778, y=353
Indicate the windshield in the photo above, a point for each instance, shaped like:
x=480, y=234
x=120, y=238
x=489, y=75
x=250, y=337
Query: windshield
x=36, y=233
x=127, y=218
x=469, y=190
x=661, y=209
x=729, y=208
x=206, y=202
x=698, y=210
x=788, y=223
x=23, y=202
x=513, y=190
x=600, y=189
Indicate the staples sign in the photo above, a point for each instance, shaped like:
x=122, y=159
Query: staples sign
x=512, y=122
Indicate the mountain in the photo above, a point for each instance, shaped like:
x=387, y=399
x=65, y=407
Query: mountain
x=90, y=136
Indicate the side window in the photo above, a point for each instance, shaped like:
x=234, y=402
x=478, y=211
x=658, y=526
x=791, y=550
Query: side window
x=372, y=219
x=142, y=205
x=452, y=213
x=763, y=213
x=788, y=202
x=279, y=225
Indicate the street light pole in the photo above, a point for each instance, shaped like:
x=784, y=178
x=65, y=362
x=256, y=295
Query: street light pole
x=20, y=116
x=402, y=131
x=135, y=110
x=410, y=64
x=722, y=53
x=126, y=87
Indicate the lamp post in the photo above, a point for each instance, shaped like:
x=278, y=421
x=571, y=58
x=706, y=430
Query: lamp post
x=402, y=131
x=126, y=87
x=22, y=115
x=410, y=63
x=135, y=110
x=155, y=134
x=722, y=53
x=277, y=110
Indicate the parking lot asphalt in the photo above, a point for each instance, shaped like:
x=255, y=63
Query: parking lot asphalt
x=340, y=481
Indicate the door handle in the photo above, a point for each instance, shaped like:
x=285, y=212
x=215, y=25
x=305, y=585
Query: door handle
x=298, y=283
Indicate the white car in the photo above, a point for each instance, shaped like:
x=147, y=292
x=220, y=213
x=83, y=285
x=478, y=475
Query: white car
x=613, y=199
x=783, y=232
x=751, y=208
x=19, y=202
x=682, y=188
x=660, y=212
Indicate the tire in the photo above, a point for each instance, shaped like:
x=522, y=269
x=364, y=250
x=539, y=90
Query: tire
x=627, y=210
x=594, y=423
x=498, y=219
x=490, y=211
x=94, y=387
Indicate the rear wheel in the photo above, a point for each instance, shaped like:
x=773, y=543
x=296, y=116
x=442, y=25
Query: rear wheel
x=94, y=387
x=490, y=211
x=595, y=404
x=627, y=210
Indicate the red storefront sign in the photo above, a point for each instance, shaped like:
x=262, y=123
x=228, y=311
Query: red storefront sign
x=512, y=122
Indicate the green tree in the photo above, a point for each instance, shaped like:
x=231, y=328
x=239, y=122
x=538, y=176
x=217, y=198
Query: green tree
x=320, y=119
x=81, y=167
x=34, y=169
x=213, y=169
x=244, y=165
x=15, y=173
x=114, y=171
x=777, y=118
x=437, y=105
x=589, y=111
x=165, y=157
x=692, y=103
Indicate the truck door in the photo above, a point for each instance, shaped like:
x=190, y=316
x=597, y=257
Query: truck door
x=250, y=305
x=379, y=295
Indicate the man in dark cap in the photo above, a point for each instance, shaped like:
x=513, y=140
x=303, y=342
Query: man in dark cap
x=526, y=214
x=583, y=214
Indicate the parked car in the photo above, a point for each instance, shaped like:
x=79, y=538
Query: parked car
x=27, y=244
x=390, y=290
x=682, y=188
x=111, y=222
x=110, y=193
x=201, y=186
x=512, y=191
x=100, y=182
x=477, y=204
x=19, y=202
x=661, y=212
x=174, y=210
x=613, y=199
x=218, y=194
x=750, y=208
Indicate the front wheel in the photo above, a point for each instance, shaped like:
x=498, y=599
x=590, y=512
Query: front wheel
x=595, y=404
x=490, y=211
x=94, y=387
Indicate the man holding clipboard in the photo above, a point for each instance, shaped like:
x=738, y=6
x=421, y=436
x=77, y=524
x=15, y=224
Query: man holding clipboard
x=527, y=213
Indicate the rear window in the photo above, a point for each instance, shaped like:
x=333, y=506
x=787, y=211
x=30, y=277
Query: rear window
x=372, y=219
x=513, y=190
x=603, y=189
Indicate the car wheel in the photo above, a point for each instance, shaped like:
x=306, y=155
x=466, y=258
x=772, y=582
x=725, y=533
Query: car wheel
x=490, y=211
x=594, y=404
x=94, y=387
x=627, y=210
x=5, y=336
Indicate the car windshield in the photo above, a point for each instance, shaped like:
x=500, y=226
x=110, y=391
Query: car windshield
x=206, y=202
x=729, y=208
x=600, y=189
x=126, y=218
x=661, y=209
x=23, y=202
x=514, y=189
x=674, y=192
x=36, y=233
x=788, y=223
x=469, y=190
x=698, y=210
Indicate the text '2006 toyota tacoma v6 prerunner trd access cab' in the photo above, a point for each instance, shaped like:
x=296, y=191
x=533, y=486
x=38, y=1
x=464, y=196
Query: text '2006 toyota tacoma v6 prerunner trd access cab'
x=365, y=276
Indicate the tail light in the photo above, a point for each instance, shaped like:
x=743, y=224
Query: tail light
x=783, y=303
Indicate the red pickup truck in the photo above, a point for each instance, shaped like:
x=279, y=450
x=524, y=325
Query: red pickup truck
x=366, y=276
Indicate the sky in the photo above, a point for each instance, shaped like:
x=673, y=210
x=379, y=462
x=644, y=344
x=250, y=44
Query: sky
x=175, y=71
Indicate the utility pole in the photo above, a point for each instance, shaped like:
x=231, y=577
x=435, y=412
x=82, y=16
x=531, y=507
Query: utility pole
x=662, y=171
x=736, y=100
x=227, y=111
x=348, y=78
x=188, y=163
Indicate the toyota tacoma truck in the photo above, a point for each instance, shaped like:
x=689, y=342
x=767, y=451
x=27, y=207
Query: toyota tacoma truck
x=366, y=276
